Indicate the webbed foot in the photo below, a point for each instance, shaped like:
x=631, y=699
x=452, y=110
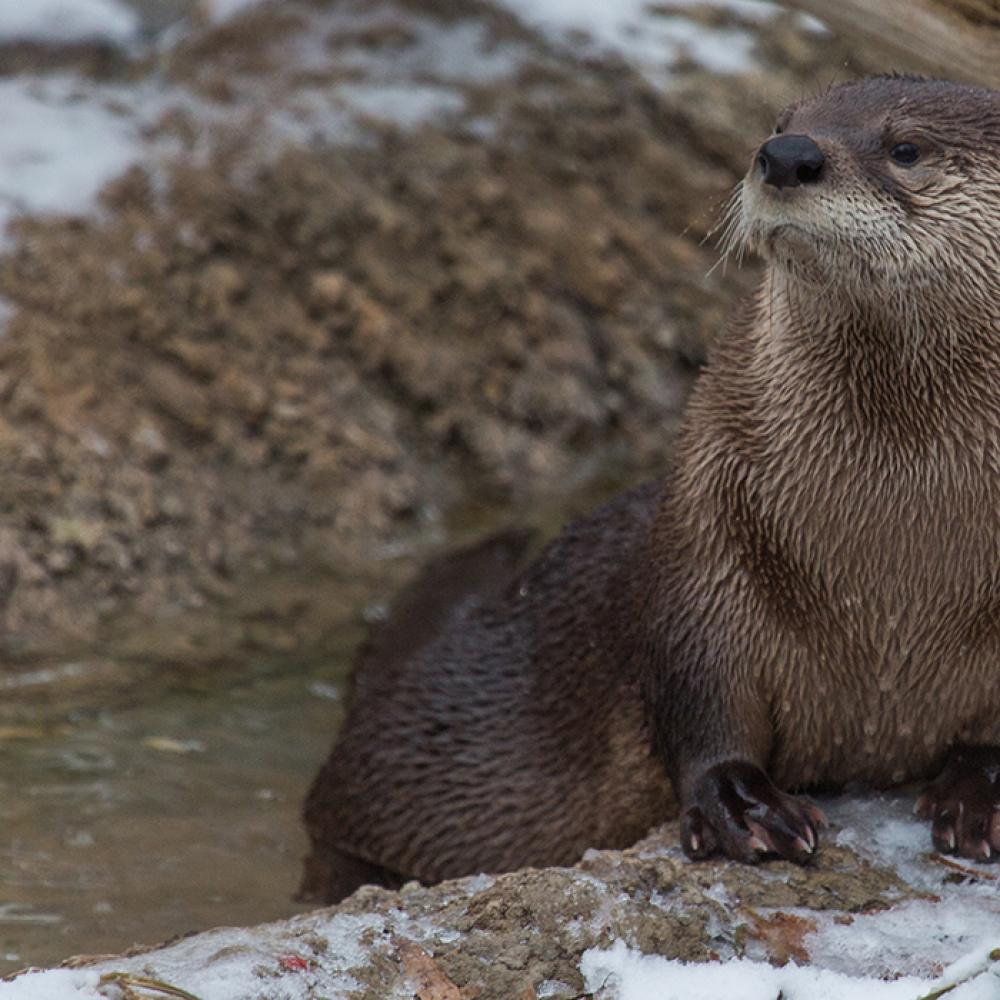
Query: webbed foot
x=736, y=810
x=963, y=804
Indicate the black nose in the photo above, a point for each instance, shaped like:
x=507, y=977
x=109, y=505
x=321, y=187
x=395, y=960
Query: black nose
x=790, y=160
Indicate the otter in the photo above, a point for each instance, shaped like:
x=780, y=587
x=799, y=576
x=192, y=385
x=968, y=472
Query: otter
x=809, y=597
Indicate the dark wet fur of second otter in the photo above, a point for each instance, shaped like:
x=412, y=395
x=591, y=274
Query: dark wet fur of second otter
x=811, y=597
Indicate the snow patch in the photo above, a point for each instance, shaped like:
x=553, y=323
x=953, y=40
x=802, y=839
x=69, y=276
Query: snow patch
x=960, y=916
x=65, y=137
x=617, y=973
x=648, y=37
x=223, y=10
x=65, y=22
x=63, y=140
x=224, y=964
x=405, y=106
x=56, y=984
x=722, y=50
x=447, y=53
x=956, y=927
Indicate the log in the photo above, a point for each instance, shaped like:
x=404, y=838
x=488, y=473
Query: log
x=958, y=39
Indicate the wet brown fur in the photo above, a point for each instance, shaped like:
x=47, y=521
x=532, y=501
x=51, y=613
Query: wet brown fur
x=502, y=741
x=815, y=589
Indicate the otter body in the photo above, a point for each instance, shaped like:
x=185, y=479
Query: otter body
x=811, y=597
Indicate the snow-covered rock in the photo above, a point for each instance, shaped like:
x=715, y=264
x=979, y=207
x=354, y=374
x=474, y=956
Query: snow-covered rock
x=878, y=915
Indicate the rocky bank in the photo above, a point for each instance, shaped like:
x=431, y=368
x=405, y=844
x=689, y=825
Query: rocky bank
x=875, y=906
x=372, y=262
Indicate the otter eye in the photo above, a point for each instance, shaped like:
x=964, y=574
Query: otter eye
x=905, y=153
x=778, y=129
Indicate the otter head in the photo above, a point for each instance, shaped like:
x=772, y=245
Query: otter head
x=887, y=184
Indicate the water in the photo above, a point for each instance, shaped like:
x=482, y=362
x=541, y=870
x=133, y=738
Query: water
x=134, y=823
x=154, y=788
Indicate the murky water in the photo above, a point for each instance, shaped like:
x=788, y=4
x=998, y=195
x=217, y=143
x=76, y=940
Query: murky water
x=144, y=797
x=136, y=823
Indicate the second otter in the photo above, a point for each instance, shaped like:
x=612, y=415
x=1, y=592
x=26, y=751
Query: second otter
x=812, y=595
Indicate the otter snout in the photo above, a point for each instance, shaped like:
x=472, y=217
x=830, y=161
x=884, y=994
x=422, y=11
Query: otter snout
x=789, y=161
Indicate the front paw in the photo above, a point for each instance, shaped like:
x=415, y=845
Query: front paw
x=963, y=804
x=735, y=809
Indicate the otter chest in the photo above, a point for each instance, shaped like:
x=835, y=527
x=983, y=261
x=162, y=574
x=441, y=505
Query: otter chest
x=884, y=591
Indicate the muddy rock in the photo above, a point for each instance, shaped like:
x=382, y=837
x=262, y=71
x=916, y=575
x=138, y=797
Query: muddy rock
x=306, y=356
x=523, y=934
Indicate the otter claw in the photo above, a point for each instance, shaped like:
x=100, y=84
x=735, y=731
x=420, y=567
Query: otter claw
x=817, y=816
x=736, y=810
x=962, y=804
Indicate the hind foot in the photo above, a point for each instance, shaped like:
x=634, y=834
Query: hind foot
x=736, y=810
x=963, y=804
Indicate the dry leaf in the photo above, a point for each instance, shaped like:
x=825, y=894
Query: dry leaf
x=424, y=975
x=167, y=744
x=22, y=733
x=782, y=934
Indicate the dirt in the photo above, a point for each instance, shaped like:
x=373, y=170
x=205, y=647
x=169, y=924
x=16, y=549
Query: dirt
x=242, y=368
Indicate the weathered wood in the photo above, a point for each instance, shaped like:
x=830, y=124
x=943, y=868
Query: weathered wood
x=959, y=39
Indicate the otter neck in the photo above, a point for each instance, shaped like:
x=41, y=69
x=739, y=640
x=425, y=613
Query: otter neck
x=906, y=351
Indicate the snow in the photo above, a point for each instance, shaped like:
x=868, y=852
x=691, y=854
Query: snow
x=720, y=50
x=298, y=958
x=222, y=10
x=946, y=936
x=906, y=936
x=955, y=926
x=958, y=917
x=63, y=140
x=309, y=956
x=406, y=106
x=56, y=984
x=63, y=22
x=622, y=974
x=640, y=34
x=64, y=137
x=450, y=53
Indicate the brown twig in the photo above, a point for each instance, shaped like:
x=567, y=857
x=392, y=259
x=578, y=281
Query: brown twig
x=130, y=983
